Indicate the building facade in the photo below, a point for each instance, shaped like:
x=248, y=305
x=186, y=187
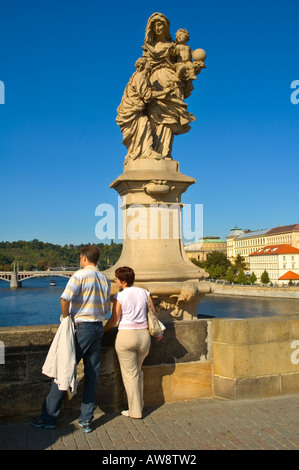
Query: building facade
x=244, y=242
x=233, y=234
x=280, y=261
x=200, y=249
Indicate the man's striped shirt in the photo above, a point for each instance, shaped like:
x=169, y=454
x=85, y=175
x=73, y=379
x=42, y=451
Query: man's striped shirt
x=88, y=291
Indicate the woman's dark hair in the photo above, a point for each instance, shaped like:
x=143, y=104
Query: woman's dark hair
x=125, y=274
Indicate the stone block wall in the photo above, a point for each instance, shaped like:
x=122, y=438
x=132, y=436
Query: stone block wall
x=256, y=357
x=23, y=387
x=229, y=358
x=178, y=367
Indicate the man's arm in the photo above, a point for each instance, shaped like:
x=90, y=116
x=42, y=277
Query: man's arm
x=65, y=307
x=71, y=290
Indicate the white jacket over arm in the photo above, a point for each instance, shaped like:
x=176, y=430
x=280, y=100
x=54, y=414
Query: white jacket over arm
x=60, y=363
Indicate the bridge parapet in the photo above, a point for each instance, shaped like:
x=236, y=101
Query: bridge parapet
x=29, y=274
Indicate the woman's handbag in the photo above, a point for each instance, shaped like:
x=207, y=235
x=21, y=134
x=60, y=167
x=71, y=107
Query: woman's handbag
x=155, y=327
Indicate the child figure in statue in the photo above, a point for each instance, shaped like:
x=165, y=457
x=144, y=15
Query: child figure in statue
x=183, y=54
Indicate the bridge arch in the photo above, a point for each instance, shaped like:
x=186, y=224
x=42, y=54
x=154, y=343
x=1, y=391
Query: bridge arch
x=24, y=276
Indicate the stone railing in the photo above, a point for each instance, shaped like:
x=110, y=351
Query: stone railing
x=229, y=358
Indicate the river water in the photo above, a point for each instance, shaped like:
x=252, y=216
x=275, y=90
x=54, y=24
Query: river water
x=36, y=303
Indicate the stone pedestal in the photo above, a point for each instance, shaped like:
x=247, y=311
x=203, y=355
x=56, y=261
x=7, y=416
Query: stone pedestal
x=152, y=237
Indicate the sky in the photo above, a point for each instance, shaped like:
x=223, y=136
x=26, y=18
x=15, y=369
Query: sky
x=65, y=64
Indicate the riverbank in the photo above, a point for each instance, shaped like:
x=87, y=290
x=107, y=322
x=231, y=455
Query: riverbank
x=288, y=292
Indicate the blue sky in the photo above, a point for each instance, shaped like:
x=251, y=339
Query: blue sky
x=65, y=65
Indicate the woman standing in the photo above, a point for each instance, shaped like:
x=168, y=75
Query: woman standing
x=133, y=339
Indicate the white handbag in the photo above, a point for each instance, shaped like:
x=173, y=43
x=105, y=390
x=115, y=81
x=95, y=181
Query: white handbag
x=155, y=327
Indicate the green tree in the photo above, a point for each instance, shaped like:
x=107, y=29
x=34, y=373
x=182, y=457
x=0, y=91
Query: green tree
x=230, y=275
x=5, y=259
x=220, y=271
x=28, y=266
x=252, y=278
x=241, y=278
x=216, y=272
x=265, y=278
x=42, y=264
x=200, y=264
x=239, y=263
x=212, y=271
x=34, y=253
x=217, y=258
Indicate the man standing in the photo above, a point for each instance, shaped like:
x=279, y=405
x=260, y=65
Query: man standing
x=86, y=298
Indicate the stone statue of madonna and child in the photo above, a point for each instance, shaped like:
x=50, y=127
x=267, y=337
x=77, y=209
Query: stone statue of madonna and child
x=153, y=110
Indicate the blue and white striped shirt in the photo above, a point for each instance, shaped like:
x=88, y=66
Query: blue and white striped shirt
x=88, y=291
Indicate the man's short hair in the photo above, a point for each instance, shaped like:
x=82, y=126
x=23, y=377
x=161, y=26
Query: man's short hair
x=125, y=274
x=91, y=252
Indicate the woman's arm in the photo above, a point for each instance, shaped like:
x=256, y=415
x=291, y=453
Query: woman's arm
x=115, y=316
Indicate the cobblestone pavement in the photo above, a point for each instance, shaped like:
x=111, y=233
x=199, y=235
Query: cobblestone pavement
x=203, y=424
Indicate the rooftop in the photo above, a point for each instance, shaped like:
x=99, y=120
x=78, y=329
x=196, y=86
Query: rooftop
x=289, y=276
x=275, y=250
x=234, y=232
x=239, y=233
x=256, y=233
x=283, y=228
x=202, y=241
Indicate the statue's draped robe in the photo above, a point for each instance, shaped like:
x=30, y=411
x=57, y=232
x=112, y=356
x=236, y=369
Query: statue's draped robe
x=134, y=124
x=168, y=115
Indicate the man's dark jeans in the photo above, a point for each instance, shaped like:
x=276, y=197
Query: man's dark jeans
x=88, y=347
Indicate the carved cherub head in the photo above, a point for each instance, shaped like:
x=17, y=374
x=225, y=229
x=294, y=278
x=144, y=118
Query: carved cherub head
x=182, y=36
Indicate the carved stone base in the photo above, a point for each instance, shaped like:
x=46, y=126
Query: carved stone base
x=152, y=240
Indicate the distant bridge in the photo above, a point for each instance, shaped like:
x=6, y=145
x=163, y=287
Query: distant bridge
x=15, y=278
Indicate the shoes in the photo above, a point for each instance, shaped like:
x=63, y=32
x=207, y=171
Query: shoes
x=126, y=413
x=85, y=426
x=39, y=423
